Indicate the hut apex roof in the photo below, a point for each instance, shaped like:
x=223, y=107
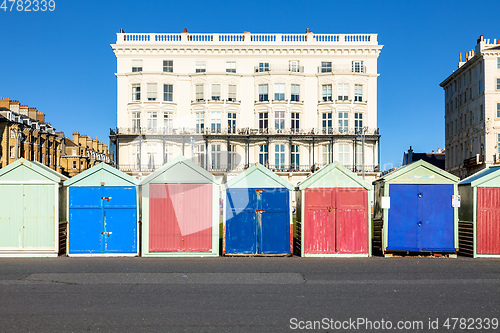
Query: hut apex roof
x=258, y=176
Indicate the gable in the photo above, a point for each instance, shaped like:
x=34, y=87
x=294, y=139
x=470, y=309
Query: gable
x=179, y=173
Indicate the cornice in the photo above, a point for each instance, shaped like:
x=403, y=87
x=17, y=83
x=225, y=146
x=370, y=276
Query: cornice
x=248, y=50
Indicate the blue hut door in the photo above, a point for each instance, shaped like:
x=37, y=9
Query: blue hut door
x=102, y=220
x=258, y=221
x=274, y=236
x=241, y=225
x=421, y=218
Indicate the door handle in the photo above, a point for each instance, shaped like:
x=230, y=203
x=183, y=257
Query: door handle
x=419, y=223
x=106, y=233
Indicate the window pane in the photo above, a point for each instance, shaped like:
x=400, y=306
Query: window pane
x=200, y=66
x=215, y=92
x=279, y=92
x=230, y=66
x=199, y=92
x=231, y=93
x=152, y=91
x=168, y=66
x=168, y=92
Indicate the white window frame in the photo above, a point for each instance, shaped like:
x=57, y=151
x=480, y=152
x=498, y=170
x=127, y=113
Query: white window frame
x=279, y=91
x=294, y=66
x=168, y=92
x=136, y=92
x=263, y=92
x=279, y=120
x=200, y=122
x=263, y=66
x=343, y=118
x=199, y=92
x=231, y=93
x=358, y=93
x=343, y=91
x=343, y=154
x=358, y=121
x=279, y=156
x=326, y=67
x=358, y=66
x=326, y=92
x=215, y=122
x=230, y=66
x=152, y=93
x=136, y=65
x=216, y=92
x=168, y=66
x=201, y=66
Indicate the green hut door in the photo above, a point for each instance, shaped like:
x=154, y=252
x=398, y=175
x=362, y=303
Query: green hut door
x=27, y=216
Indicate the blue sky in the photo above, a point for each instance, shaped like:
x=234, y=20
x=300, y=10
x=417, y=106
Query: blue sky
x=61, y=61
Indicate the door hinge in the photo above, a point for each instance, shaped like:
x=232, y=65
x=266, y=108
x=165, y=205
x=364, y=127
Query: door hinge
x=259, y=190
x=106, y=198
x=260, y=210
x=106, y=233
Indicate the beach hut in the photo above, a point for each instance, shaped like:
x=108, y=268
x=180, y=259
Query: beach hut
x=103, y=213
x=257, y=214
x=180, y=214
x=334, y=214
x=479, y=214
x=30, y=210
x=415, y=210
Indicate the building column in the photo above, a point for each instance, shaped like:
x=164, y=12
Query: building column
x=206, y=152
x=312, y=166
x=228, y=154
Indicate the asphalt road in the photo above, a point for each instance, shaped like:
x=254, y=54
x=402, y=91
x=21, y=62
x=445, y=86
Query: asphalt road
x=247, y=294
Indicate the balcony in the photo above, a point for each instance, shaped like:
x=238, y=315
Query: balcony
x=240, y=131
x=341, y=69
x=245, y=38
x=279, y=69
x=474, y=161
x=222, y=168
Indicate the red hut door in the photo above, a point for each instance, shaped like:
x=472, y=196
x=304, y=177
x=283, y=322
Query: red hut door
x=180, y=217
x=336, y=221
x=488, y=220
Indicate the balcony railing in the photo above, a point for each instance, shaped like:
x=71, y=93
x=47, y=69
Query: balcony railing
x=245, y=38
x=473, y=161
x=240, y=131
x=341, y=69
x=279, y=68
x=221, y=168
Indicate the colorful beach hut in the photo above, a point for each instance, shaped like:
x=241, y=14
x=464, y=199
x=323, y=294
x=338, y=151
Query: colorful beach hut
x=479, y=214
x=180, y=214
x=257, y=214
x=334, y=213
x=415, y=210
x=103, y=213
x=30, y=210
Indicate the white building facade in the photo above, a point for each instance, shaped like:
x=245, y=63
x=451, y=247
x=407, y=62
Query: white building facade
x=293, y=102
x=472, y=110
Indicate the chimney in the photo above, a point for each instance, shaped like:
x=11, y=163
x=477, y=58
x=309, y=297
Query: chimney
x=40, y=117
x=410, y=155
x=95, y=144
x=23, y=109
x=76, y=137
x=89, y=142
x=82, y=140
x=14, y=106
x=4, y=102
x=99, y=147
x=32, y=112
x=122, y=31
x=480, y=39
